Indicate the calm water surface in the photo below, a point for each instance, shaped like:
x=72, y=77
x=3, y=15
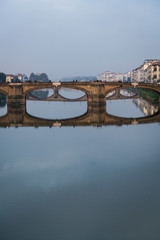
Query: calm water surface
x=80, y=183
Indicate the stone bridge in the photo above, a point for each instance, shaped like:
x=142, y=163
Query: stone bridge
x=95, y=91
x=57, y=97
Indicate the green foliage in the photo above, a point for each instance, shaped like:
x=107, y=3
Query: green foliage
x=2, y=95
x=2, y=77
x=149, y=95
x=39, y=77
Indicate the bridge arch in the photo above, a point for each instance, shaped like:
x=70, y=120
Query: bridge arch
x=145, y=86
x=40, y=87
x=4, y=92
x=87, y=92
x=34, y=88
x=117, y=94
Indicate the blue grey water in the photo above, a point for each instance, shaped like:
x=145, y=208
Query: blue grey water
x=80, y=183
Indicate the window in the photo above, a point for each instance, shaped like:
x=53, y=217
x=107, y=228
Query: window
x=155, y=68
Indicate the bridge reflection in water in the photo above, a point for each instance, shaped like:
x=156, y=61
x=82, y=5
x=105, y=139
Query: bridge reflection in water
x=95, y=94
x=97, y=116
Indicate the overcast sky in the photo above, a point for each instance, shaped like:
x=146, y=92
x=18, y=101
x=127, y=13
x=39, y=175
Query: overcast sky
x=77, y=37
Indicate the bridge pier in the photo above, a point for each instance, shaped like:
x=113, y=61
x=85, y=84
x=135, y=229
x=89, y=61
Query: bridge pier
x=56, y=93
x=15, y=95
x=97, y=97
x=15, y=114
x=97, y=114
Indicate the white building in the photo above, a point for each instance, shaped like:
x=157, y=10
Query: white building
x=141, y=74
x=110, y=77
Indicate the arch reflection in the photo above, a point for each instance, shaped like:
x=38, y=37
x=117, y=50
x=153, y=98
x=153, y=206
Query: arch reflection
x=3, y=104
x=42, y=93
x=95, y=116
x=56, y=110
x=71, y=93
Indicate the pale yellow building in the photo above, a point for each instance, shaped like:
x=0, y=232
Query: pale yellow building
x=9, y=77
x=154, y=72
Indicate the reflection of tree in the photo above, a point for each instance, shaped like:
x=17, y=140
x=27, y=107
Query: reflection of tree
x=3, y=102
x=146, y=94
x=40, y=93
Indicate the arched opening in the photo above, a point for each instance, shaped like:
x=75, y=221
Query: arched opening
x=56, y=106
x=40, y=94
x=127, y=92
x=71, y=94
x=110, y=94
x=56, y=110
x=133, y=103
x=3, y=104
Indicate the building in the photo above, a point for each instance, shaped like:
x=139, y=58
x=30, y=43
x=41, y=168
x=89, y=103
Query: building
x=106, y=76
x=16, y=77
x=9, y=78
x=21, y=77
x=127, y=77
x=146, y=72
x=110, y=77
x=153, y=72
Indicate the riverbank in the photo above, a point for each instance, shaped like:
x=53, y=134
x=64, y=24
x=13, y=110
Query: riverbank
x=148, y=95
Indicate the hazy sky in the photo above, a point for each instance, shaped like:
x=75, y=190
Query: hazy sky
x=77, y=37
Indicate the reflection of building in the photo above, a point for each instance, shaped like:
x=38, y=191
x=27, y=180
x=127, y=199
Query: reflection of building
x=126, y=92
x=146, y=107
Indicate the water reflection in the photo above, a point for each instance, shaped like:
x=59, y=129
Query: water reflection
x=56, y=110
x=3, y=106
x=131, y=108
x=18, y=117
x=79, y=183
x=127, y=106
x=44, y=93
x=110, y=94
x=120, y=93
x=146, y=107
x=127, y=92
x=70, y=93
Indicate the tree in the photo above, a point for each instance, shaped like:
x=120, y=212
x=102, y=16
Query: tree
x=2, y=77
x=39, y=77
x=44, y=77
x=32, y=77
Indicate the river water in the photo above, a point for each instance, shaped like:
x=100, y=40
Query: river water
x=80, y=182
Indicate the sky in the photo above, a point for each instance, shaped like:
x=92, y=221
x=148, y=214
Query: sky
x=77, y=37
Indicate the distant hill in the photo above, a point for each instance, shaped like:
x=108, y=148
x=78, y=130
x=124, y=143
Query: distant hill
x=78, y=78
